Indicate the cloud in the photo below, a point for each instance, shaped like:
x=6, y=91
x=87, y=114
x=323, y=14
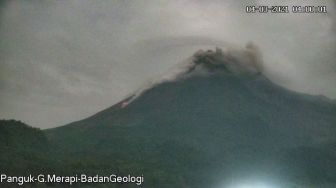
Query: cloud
x=65, y=60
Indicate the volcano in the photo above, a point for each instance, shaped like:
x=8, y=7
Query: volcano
x=216, y=122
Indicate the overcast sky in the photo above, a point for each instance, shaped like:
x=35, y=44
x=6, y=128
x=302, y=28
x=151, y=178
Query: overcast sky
x=61, y=61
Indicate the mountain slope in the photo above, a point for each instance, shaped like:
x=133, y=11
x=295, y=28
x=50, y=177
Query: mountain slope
x=221, y=116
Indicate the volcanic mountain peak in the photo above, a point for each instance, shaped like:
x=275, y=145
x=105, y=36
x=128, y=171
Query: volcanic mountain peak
x=238, y=61
x=214, y=114
x=246, y=61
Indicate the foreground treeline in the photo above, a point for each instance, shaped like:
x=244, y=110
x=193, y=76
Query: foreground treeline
x=26, y=150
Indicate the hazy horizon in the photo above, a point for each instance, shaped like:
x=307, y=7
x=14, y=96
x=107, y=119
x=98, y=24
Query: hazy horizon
x=66, y=60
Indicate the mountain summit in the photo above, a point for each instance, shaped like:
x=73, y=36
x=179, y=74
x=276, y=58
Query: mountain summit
x=247, y=61
x=215, y=121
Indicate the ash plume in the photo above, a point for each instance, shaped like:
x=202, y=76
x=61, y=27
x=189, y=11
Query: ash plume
x=247, y=61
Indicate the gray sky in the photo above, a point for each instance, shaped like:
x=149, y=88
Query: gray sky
x=61, y=61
